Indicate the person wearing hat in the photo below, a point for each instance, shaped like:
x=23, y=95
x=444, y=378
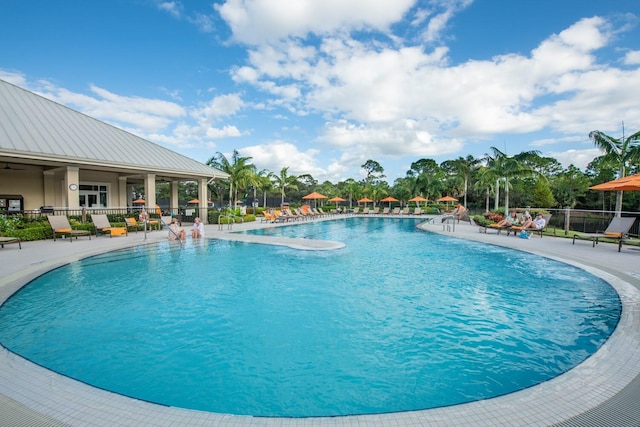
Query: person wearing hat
x=537, y=223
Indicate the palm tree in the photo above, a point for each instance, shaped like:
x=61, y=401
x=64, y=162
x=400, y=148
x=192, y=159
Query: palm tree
x=465, y=168
x=239, y=169
x=264, y=183
x=352, y=188
x=507, y=167
x=486, y=182
x=284, y=181
x=621, y=152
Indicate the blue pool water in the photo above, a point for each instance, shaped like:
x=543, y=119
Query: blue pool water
x=400, y=319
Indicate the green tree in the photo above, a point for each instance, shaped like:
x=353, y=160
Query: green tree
x=507, y=167
x=464, y=167
x=284, y=181
x=374, y=172
x=486, y=181
x=570, y=185
x=622, y=152
x=240, y=172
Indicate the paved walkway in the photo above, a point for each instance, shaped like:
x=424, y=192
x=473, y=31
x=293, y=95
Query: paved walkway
x=604, y=390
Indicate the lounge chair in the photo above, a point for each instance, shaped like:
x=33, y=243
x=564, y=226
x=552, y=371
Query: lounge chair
x=617, y=231
x=406, y=211
x=102, y=224
x=375, y=211
x=356, y=210
x=131, y=223
x=61, y=227
x=417, y=211
x=9, y=240
x=396, y=211
x=517, y=228
x=385, y=211
x=365, y=211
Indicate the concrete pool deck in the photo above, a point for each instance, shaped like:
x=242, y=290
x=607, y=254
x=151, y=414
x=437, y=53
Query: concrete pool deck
x=603, y=390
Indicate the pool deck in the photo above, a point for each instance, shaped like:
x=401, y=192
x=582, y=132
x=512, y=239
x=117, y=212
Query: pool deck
x=604, y=390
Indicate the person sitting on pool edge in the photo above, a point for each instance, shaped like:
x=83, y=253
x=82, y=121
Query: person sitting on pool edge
x=175, y=231
x=198, y=228
x=538, y=223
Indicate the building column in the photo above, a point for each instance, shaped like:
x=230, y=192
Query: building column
x=123, y=198
x=173, y=198
x=72, y=185
x=150, y=191
x=202, y=196
x=49, y=181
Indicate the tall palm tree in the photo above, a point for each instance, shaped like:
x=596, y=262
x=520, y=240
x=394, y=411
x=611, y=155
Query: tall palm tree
x=264, y=183
x=240, y=171
x=352, y=188
x=284, y=181
x=507, y=167
x=465, y=168
x=621, y=152
x=486, y=182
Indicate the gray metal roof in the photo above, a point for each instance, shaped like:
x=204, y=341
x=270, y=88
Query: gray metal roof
x=37, y=128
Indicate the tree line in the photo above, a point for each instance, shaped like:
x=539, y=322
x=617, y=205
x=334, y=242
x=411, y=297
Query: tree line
x=495, y=181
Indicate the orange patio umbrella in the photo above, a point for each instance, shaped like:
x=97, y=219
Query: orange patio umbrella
x=628, y=183
x=365, y=200
x=447, y=199
x=337, y=200
x=314, y=196
x=418, y=199
x=389, y=199
x=139, y=202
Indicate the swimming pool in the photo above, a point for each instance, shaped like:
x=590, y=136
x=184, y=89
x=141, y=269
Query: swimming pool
x=397, y=320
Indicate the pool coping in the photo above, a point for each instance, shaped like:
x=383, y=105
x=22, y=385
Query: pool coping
x=565, y=399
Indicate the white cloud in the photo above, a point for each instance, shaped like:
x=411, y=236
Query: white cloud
x=172, y=7
x=632, y=57
x=280, y=154
x=368, y=92
x=259, y=21
x=578, y=158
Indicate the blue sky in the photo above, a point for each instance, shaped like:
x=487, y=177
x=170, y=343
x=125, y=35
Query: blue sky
x=321, y=86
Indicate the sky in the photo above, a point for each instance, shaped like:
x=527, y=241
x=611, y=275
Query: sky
x=322, y=86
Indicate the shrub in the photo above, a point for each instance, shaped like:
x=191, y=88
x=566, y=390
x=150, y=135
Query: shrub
x=481, y=220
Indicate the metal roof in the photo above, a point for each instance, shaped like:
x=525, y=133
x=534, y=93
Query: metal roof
x=36, y=128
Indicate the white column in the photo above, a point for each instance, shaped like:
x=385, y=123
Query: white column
x=173, y=199
x=150, y=191
x=202, y=196
x=72, y=184
x=122, y=192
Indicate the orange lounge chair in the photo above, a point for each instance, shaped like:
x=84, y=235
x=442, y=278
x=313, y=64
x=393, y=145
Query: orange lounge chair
x=61, y=227
x=617, y=231
x=102, y=224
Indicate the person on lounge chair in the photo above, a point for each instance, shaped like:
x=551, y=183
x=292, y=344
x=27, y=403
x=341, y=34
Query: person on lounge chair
x=537, y=224
x=508, y=221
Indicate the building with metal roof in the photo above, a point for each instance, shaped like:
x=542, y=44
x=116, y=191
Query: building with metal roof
x=52, y=155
